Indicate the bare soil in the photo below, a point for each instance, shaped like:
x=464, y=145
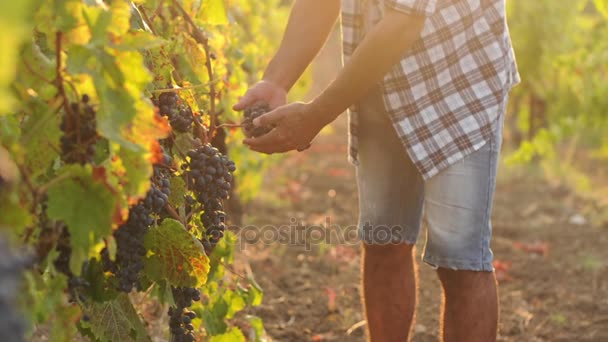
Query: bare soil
x=551, y=256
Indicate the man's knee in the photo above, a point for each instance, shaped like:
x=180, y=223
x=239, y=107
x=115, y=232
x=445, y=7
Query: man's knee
x=458, y=279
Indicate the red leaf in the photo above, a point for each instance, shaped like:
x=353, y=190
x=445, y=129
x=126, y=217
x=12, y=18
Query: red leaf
x=538, y=247
x=331, y=299
x=157, y=153
x=501, y=270
x=99, y=174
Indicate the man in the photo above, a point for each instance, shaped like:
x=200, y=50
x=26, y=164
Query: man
x=427, y=84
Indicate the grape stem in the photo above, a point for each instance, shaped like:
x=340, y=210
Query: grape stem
x=174, y=213
x=146, y=18
x=173, y=90
x=59, y=82
x=229, y=125
x=202, y=39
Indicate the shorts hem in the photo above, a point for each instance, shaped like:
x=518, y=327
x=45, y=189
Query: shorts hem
x=404, y=240
x=459, y=265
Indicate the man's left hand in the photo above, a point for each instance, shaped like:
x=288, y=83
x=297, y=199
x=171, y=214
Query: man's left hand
x=295, y=126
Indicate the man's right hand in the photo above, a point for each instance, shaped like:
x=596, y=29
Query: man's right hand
x=263, y=92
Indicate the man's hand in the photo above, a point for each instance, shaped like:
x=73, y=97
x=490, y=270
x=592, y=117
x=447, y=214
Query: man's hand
x=263, y=91
x=295, y=126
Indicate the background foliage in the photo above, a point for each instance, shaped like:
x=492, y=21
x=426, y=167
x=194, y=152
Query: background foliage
x=561, y=105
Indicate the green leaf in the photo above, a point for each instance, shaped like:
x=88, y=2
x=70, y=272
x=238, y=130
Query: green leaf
x=86, y=205
x=14, y=25
x=213, y=12
x=213, y=313
x=254, y=293
x=139, y=40
x=98, y=20
x=100, y=288
x=235, y=303
x=178, y=190
x=116, y=320
x=41, y=138
x=137, y=170
x=46, y=303
x=258, y=327
x=233, y=335
x=14, y=214
x=602, y=7
x=121, y=18
x=175, y=255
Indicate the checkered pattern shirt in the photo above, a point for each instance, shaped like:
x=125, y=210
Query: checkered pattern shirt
x=446, y=94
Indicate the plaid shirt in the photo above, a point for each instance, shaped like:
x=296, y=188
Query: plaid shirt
x=446, y=94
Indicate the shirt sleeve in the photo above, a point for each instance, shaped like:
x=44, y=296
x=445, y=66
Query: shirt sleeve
x=420, y=7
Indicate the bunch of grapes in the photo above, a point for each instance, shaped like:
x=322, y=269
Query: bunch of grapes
x=210, y=173
x=79, y=133
x=159, y=193
x=251, y=114
x=214, y=221
x=180, y=319
x=129, y=237
x=12, y=324
x=180, y=115
x=130, y=250
x=62, y=264
x=210, y=177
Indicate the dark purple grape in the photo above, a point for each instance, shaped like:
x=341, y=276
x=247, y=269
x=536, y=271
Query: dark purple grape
x=180, y=319
x=252, y=113
x=79, y=133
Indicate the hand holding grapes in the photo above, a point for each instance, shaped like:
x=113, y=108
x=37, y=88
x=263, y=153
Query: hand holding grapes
x=295, y=126
x=263, y=92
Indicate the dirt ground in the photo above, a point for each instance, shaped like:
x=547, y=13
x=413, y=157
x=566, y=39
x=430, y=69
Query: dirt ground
x=551, y=256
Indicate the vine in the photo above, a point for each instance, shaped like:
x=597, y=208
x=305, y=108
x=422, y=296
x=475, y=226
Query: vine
x=114, y=133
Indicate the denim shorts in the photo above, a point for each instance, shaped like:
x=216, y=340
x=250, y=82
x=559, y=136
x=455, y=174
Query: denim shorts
x=394, y=199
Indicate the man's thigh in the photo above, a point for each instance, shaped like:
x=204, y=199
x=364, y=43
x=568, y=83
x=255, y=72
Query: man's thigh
x=458, y=207
x=391, y=190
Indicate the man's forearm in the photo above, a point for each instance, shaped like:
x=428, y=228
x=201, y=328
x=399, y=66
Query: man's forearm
x=309, y=25
x=381, y=49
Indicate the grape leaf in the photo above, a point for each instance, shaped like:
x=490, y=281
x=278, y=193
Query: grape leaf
x=121, y=18
x=233, y=335
x=235, y=303
x=47, y=304
x=257, y=325
x=135, y=171
x=175, y=255
x=213, y=12
x=116, y=320
x=14, y=25
x=602, y=7
x=41, y=138
x=213, y=315
x=139, y=40
x=86, y=206
x=178, y=190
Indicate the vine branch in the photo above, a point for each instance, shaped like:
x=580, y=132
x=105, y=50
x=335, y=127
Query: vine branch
x=202, y=39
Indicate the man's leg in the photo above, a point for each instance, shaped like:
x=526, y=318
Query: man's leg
x=388, y=274
x=458, y=205
x=470, y=308
x=391, y=193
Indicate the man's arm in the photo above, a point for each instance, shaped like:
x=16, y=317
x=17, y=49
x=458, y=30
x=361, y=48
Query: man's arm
x=383, y=47
x=309, y=26
x=380, y=50
x=310, y=23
